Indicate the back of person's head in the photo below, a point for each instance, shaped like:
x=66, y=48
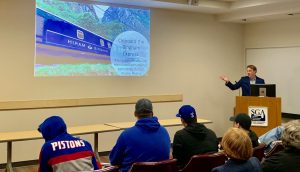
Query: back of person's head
x=52, y=127
x=291, y=134
x=243, y=120
x=143, y=108
x=237, y=144
x=188, y=114
x=252, y=67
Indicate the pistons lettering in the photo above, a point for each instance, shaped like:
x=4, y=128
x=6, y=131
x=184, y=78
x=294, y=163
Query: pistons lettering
x=68, y=144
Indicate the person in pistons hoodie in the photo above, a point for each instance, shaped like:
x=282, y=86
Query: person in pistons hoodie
x=147, y=141
x=193, y=139
x=62, y=152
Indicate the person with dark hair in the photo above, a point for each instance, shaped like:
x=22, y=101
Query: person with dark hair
x=237, y=146
x=193, y=139
x=244, y=121
x=147, y=141
x=63, y=152
x=245, y=81
x=289, y=158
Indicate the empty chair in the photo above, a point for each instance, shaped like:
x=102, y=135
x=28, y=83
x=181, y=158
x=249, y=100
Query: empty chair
x=258, y=151
x=161, y=166
x=276, y=147
x=205, y=162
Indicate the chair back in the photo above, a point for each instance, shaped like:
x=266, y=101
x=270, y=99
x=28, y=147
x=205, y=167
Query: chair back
x=204, y=162
x=277, y=146
x=108, y=169
x=161, y=166
x=259, y=152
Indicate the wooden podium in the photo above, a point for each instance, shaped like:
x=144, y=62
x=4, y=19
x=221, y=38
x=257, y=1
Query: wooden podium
x=274, y=110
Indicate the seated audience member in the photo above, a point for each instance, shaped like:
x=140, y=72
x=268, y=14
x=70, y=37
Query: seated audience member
x=238, y=148
x=63, y=152
x=193, y=139
x=271, y=137
x=244, y=121
x=146, y=141
x=289, y=158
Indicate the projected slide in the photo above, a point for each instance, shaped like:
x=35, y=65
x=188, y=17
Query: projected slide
x=78, y=39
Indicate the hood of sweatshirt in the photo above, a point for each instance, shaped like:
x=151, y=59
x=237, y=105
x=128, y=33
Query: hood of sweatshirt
x=197, y=130
x=52, y=127
x=149, y=124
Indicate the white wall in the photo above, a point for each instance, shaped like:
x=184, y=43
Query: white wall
x=280, y=66
x=189, y=52
x=274, y=46
x=276, y=33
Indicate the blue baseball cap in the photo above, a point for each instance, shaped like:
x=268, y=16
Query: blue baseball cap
x=186, y=112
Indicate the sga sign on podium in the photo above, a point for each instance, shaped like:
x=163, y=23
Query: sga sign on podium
x=265, y=112
x=258, y=115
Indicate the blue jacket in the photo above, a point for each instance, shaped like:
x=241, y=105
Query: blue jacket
x=244, y=82
x=145, y=142
x=63, y=152
x=270, y=137
x=251, y=165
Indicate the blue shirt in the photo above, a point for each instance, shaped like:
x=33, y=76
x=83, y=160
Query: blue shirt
x=147, y=141
x=251, y=165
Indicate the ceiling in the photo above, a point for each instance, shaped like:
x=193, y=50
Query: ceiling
x=238, y=11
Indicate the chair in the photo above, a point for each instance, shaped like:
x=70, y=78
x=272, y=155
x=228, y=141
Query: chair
x=259, y=152
x=204, y=162
x=108, y=169
x=161, y=166
x=277, y=146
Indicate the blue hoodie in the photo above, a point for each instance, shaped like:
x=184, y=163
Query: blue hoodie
x=63, y=152
x=147, y=141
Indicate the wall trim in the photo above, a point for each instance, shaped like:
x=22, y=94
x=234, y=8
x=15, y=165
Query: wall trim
x=63, y=103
